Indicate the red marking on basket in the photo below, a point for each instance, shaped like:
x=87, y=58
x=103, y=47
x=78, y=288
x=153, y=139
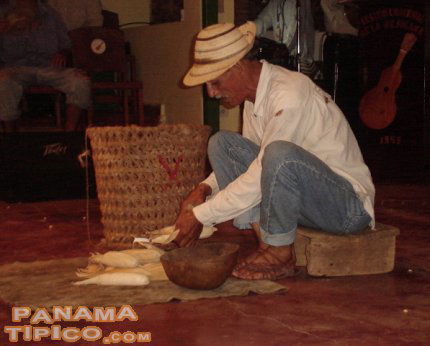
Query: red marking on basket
x=171, y=172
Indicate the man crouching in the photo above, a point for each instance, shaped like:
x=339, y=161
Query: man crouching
x=297, y=161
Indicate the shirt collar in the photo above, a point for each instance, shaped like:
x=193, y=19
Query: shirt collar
x=262, y=88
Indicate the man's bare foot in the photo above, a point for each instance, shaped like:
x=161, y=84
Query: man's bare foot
x=268, y=263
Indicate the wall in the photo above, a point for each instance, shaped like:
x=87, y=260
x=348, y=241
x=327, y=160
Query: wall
x=162, y=54
x=129, y=10
x=229, y=119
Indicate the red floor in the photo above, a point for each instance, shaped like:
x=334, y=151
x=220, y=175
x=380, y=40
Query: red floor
x=388, y=309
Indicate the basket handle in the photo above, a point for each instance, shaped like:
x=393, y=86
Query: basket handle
x=83, y=158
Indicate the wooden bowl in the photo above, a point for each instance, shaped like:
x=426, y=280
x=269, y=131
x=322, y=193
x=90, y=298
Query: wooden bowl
x=203, y=267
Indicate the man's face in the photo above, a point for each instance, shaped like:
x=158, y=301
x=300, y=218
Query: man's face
x=229, y=88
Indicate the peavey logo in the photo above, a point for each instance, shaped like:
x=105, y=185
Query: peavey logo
x=55, y=149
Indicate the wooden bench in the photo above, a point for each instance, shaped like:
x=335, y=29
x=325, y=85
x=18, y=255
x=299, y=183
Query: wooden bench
x=327, y=254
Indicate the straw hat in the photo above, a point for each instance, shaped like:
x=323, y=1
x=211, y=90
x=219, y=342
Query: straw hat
x=218, y=47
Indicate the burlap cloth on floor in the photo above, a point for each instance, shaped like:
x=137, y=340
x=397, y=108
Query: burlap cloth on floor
x=49, y=283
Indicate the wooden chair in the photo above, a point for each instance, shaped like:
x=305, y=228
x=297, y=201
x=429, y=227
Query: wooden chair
x=58, y=96
x=100, y=49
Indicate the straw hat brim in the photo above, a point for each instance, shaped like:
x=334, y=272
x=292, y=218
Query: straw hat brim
x=199, y=73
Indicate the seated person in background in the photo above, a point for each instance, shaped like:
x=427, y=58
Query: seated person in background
x=78, y=13
x=281, y=17
x=338, y=15
x=32, y=45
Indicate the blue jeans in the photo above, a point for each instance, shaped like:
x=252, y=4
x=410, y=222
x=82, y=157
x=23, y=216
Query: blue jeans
x=297, y=189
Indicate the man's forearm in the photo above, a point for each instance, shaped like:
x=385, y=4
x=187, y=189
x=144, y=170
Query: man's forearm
x=197, y=196
x=205, y=189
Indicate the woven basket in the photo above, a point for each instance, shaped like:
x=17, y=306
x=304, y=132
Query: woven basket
x=143, y=174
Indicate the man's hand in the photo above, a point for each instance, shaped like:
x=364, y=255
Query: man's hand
x=189, y=228
x=197, y=196
x=188, y=225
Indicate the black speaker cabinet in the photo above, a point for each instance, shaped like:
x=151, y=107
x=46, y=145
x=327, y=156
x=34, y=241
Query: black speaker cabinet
x=392, y=123
x=39, y=166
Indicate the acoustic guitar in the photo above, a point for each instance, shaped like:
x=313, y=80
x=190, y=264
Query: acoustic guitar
x=378, y=106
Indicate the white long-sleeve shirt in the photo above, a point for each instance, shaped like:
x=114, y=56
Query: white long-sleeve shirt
x=290, y=107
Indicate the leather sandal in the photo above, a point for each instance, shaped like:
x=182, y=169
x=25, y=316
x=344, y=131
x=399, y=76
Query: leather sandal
x=273, y=268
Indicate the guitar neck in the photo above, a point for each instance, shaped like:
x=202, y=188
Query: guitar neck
x=408, y=41
x=400, y=57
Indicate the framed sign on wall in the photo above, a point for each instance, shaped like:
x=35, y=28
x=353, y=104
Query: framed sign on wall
x=392, y=110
